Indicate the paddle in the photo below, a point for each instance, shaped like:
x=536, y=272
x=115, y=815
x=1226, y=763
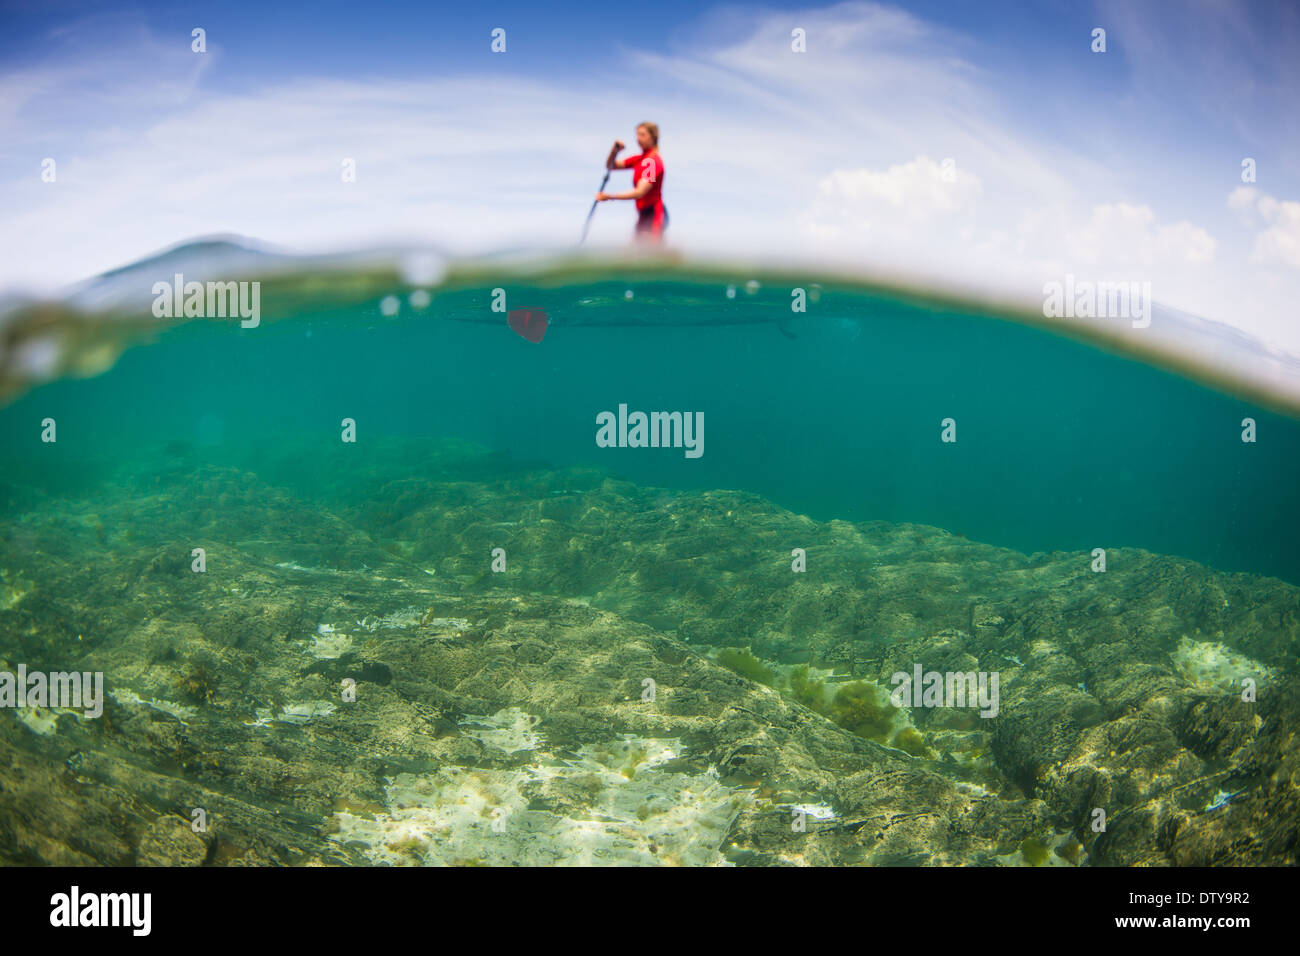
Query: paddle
x=587, y=225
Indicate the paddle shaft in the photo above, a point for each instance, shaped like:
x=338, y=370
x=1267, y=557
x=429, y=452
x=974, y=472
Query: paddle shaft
x=587, y=225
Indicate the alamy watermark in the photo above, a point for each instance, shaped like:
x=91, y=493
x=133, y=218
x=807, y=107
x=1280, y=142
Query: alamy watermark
x=75, y=909
x=950, y=689
x=70, y=690
x=1085, y=299
x=213, y=300
x=651, y=430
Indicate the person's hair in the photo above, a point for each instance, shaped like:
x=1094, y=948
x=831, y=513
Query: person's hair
x=652, y=129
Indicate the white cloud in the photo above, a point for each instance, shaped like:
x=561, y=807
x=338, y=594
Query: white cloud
x=1242, y=200
x=834, y=155
x=916, y=191
x=1120, y=234
x=1279, y=243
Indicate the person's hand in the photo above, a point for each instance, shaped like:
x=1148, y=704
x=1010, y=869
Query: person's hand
x=601, y=197
x=618, y=145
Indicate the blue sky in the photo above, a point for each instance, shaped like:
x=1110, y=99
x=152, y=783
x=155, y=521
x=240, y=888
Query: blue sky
x=332, y=36
x=1117, y=165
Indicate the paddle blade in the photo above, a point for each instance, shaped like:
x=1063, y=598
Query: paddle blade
x=528, y=323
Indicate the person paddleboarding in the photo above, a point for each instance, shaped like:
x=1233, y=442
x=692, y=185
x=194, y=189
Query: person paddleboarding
x=647, y=181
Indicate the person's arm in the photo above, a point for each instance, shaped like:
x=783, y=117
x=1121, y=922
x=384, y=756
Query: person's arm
x=637, y=193
x=641, y=189
x=611, y=162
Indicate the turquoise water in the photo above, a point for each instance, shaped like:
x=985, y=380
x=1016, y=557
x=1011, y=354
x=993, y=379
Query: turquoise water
x=472, y=635
x=834, y=414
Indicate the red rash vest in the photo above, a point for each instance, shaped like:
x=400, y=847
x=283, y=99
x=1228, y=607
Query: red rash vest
x=648, y=165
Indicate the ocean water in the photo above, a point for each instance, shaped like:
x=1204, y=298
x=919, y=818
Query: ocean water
x=368, y=565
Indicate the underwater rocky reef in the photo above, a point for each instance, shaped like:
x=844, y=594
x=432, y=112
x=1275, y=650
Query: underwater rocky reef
x=445, y=657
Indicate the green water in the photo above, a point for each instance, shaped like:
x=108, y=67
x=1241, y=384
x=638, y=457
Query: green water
x=416, y=506
x=835, y=413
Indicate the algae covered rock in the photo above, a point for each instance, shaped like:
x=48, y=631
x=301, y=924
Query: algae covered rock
x=646, y=680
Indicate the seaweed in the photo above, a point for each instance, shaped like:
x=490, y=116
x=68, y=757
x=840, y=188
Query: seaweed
x=1034, y=851
x=808, y=690
x=912, y=741
x=743, y=662
x=858, y=708
x=198, y=685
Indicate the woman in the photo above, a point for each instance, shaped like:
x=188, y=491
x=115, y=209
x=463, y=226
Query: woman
x=647, y=180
